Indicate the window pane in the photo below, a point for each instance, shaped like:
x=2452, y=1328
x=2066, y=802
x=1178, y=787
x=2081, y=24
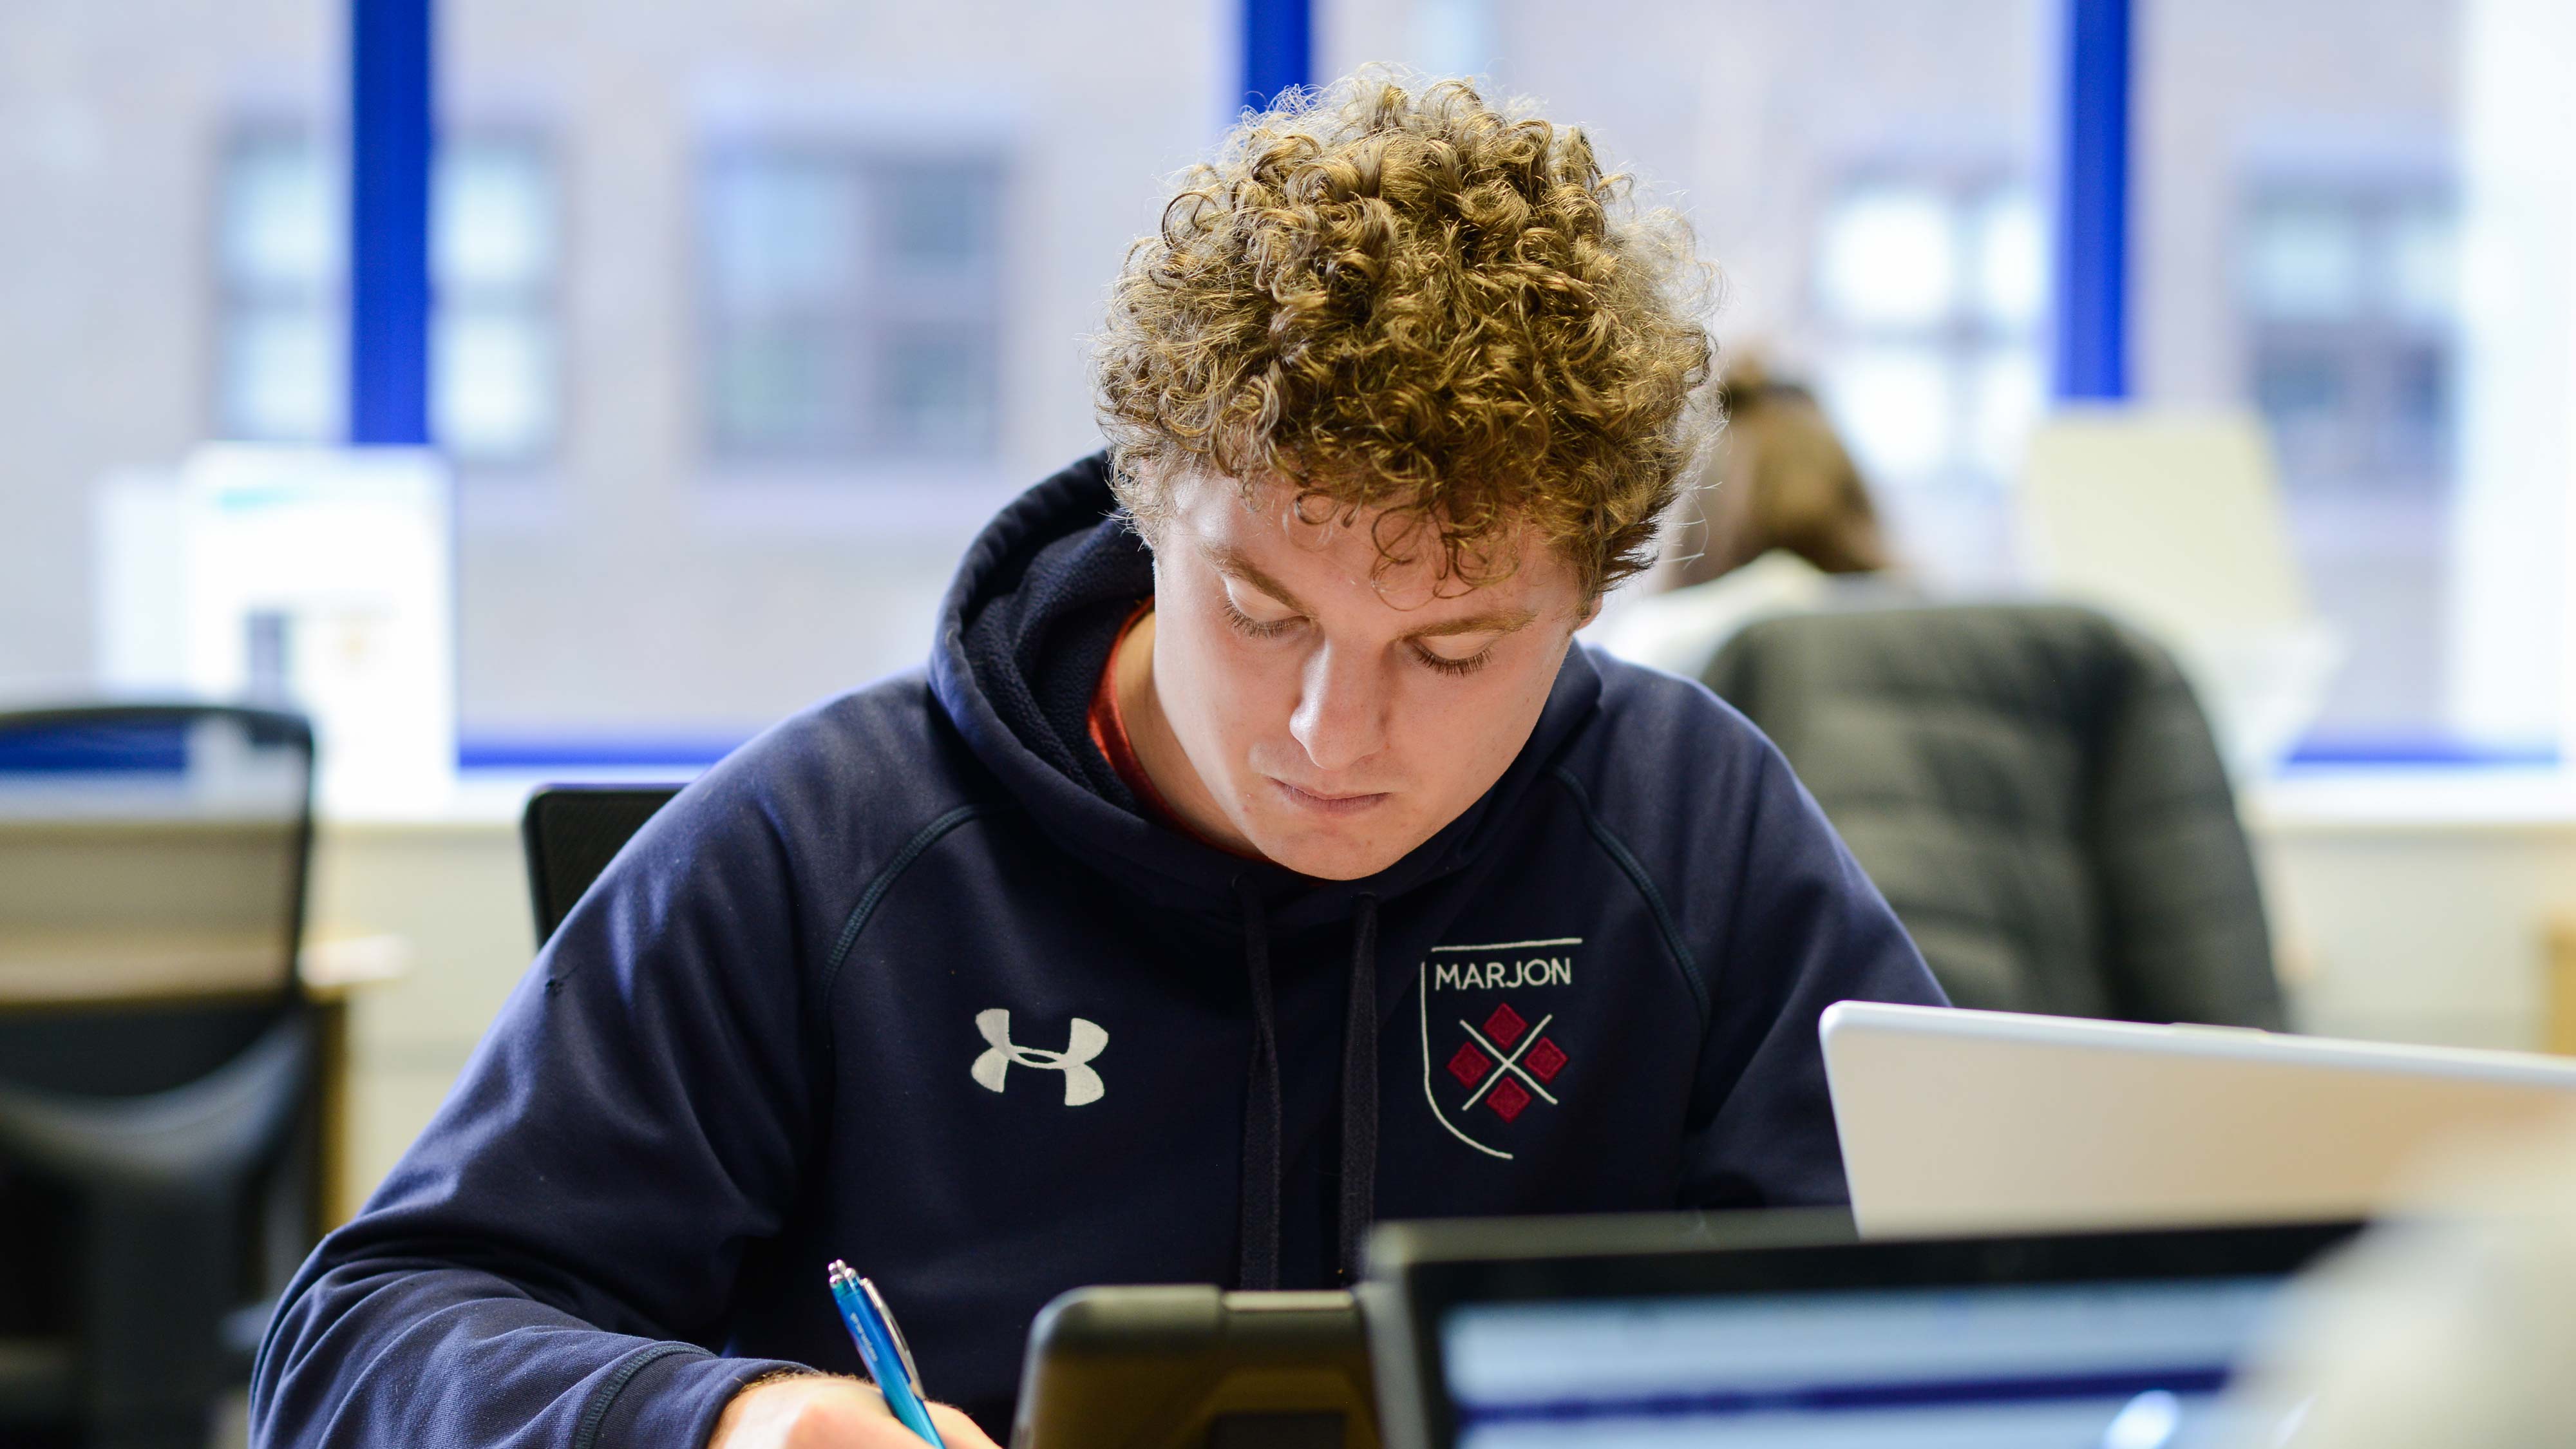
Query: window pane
x=492, y=383
x=279, y=350
x=1890, y=256
x=2307, y=394
x=280, y=375
x=493, y=217
x=2424, y=266
x=2009, y=240
x=1894, y=404
x=851, y=300
x=788, y=389
x=940, y=217
x=494, y=371
x=938, y=391
x=2304, y=259
x=784, y=230
x=2006, y=394
x=280, y=229
x=2417, y=430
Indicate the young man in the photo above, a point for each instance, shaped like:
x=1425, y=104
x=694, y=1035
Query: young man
x=1248, y=867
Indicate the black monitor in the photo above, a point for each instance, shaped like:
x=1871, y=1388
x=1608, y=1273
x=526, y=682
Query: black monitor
x=1770, y=1331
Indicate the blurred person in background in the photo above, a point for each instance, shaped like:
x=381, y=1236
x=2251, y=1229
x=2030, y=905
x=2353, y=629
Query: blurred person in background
x=1778, y=520
x=1083, y=956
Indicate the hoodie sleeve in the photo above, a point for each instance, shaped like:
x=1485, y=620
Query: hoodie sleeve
x=543, y=1266
x=1801, y=928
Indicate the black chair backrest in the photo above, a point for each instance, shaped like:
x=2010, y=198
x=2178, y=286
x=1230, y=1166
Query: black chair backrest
x=2037, y=793
x=152, y=881
x=571, y=833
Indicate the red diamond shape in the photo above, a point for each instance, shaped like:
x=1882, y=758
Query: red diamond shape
x=1507, y=1099
x=1544, y=1060
x=1469, y=1065
x=1505, y=1026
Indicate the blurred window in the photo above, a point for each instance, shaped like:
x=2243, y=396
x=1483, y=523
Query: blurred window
x=1930, y=288
x=852, y=304
x=2347, y=300
x=279, y=248
x=2345, y=310
x=2310, y=195
x=495, y=384
x=1862, y=173
x=281, y=354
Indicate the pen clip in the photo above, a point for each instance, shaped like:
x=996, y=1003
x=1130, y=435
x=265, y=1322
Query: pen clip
x=894, y=1331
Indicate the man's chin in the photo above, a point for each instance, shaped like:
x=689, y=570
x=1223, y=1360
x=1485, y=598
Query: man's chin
x=1324, y=857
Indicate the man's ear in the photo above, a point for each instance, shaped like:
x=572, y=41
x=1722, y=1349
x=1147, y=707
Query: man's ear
x=1590, y=612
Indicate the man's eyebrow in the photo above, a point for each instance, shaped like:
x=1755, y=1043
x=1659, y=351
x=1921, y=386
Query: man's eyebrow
x=1231, y=562
x=1496, y=621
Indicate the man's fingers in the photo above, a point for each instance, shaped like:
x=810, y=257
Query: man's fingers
x=816, y=1411
x=957, y=1431
x=856, y=1419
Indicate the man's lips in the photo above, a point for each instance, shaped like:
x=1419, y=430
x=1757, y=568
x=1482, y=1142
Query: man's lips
x=1350, y=803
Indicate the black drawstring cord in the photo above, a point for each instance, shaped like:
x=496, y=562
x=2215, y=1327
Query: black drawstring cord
x=1261, y=1102
x=1359, y=1093
x=1260, y=1220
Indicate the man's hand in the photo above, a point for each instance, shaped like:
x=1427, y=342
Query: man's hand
x=811, y=1411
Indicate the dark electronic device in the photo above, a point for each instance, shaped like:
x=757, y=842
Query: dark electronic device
x=1191, y=1367
x=1761, y=1331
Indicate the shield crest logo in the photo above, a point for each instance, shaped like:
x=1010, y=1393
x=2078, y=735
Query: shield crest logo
x=1489, y=1055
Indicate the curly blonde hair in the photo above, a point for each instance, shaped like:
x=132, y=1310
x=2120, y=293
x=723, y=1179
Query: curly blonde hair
x=1399, y=297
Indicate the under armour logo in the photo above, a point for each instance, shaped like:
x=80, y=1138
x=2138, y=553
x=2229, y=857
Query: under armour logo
x=1082, y=1043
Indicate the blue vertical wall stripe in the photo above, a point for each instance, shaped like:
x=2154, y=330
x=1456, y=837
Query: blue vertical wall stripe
x=2092, y=244
x=1278, y=48
x=389, y=148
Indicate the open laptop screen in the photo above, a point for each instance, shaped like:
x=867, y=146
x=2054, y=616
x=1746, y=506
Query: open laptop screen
x=2015, y=1366
x=1766, y=1331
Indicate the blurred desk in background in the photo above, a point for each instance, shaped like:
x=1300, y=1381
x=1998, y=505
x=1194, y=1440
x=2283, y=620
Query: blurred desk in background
x=2416, y=904
x=336, y=968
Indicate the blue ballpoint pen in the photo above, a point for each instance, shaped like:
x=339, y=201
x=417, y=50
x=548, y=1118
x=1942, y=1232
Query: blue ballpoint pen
x=882, y=1349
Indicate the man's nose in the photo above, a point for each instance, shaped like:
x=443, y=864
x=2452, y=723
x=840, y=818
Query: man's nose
x=1341, y=710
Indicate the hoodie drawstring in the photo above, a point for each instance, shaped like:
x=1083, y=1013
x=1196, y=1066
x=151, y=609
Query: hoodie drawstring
x=1359, y=1093
x=1260, y=1221
x=1261, y=1104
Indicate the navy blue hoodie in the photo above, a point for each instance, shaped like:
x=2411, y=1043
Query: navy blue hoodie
x=912, y=980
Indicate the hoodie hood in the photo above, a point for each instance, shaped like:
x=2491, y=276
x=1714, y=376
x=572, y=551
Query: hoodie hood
x=1024, y=634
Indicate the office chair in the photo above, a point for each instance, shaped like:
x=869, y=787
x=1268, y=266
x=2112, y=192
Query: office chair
x=571, y=832
x=157, y=1074
x=2035, y=790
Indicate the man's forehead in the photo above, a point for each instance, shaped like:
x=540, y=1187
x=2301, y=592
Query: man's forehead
x=1262, y=534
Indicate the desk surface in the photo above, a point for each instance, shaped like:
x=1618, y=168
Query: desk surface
x=2413, y=801
x=63, y=969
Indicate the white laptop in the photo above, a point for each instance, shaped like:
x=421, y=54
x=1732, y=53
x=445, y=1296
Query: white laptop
x=1987, y=1121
